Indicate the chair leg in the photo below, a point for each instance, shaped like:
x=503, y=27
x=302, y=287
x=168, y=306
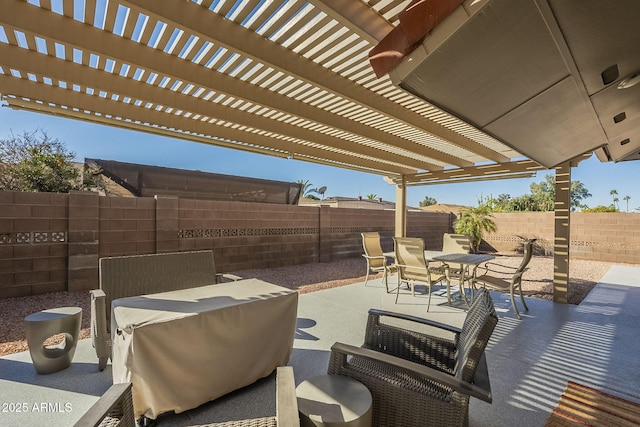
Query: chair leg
x=429, y=302
x=368, y=271
x=513, y=303
x=386, y=281
x=522, y=298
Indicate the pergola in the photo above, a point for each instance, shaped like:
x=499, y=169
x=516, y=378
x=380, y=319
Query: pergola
x=467, y=90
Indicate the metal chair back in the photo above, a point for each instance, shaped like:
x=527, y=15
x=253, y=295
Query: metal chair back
x=456, y=243
x=373, y=248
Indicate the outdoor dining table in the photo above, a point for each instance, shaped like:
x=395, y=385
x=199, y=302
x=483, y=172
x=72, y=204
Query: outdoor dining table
x=464, y=259
x=183, y=348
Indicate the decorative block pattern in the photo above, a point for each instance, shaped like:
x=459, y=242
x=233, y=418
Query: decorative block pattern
x=33, y=237
x=234, y=232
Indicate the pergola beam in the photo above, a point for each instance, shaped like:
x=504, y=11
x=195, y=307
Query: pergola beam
x=232, y=36
x=52, y=67
x=108, y=107
x=89, y=39
x=358, y=16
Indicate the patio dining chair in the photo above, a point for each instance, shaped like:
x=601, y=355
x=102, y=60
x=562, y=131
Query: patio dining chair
x=455, y=244
x=376, y=261
x=416, y=378
x=505, y=278
x=413, y=267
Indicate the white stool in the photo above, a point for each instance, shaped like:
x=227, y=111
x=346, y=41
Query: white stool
x=45, y=324
x=334, y=400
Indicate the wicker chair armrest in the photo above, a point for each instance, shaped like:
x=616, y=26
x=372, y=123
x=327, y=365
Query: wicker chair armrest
x=220, y=277
x=99, y=328
x=340, y=351
x=115, y=407
x=383, y=313
x=286, y=403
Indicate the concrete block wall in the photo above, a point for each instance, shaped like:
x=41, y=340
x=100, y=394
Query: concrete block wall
x=513, y=227
x=611, y=237
x=127, y=226
x=246, y=235
x=429, y=227
x=52, y=242
x=341, y=228
x=33, y=243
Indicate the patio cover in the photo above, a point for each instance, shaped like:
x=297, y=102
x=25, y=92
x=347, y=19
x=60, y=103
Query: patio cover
x=292, y=78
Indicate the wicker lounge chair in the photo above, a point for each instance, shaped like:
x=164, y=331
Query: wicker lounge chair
x=376, y=261
x=417, y=379
x=286, y=406
x=413, y=267
x=113, y=409
x=505, y=278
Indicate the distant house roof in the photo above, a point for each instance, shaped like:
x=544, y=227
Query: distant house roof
x=352, y=202
x=441, y=207
x=149, y=181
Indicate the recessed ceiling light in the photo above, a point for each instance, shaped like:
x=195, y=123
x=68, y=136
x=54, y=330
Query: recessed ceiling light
x=610, y=75
x=619, y=117
x=632, y=80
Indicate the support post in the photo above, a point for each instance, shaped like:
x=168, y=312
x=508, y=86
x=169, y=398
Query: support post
x=401, y=209
x=562, y=233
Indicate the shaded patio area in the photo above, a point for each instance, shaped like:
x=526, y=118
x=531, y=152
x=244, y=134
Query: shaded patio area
x=530, y=361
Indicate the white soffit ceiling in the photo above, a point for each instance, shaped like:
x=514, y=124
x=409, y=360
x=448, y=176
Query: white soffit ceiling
x=539, y=75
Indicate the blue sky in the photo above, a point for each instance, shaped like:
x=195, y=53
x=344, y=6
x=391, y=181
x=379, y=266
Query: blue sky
x=109, y=143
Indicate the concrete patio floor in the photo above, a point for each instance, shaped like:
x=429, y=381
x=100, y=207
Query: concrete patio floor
x=530, y=361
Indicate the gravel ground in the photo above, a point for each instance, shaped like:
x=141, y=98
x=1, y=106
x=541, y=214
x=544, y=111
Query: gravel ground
x=304, y=278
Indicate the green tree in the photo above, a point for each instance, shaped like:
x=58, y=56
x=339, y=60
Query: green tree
x=307, y=189
x=475, y=222
x=626, y=199
x=35, y=162
x=372, y=196
x=502, y=203
x=601, y=208
x=428, y=201
x=544, y=194
x=542, y=197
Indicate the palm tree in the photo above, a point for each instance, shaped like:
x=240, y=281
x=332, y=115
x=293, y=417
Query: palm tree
x=613, y=194
x=626, y=199
x=307, y=190
x=372, y=196
x=475, y=222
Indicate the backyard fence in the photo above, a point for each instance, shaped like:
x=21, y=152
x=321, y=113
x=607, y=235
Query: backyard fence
x=52, y=242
